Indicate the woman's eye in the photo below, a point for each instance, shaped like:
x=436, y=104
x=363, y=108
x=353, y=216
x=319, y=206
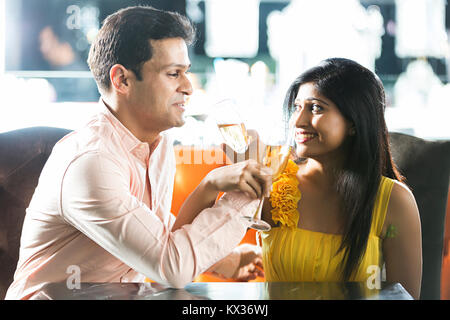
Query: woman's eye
x=315, y=108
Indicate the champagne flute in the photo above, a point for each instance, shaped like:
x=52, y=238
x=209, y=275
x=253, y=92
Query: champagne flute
x=230, y=125
x=276, y=153
x=276, y=156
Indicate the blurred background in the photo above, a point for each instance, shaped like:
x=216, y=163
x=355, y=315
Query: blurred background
x=248, y=50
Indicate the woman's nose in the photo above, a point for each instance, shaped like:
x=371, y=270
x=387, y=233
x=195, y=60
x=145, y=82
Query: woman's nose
x=301, y=118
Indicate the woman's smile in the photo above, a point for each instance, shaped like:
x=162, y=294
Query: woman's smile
x=303, y=136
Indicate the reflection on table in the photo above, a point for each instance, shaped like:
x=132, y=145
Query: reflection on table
x=225, y=291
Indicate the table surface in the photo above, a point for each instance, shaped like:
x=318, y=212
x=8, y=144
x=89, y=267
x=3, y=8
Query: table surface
x=225, y=291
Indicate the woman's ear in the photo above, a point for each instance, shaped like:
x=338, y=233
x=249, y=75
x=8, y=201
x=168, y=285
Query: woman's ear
x=352, y=131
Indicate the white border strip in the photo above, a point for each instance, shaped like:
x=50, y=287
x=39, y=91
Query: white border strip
x=2, y=36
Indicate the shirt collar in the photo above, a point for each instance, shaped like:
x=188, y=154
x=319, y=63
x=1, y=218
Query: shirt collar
x=139, y=149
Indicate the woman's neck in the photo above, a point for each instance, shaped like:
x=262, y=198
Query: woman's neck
x=323, y=168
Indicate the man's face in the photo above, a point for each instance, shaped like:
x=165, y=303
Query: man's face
x=157, y=101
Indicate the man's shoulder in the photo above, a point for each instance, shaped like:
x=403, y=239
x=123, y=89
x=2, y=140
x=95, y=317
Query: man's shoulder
x=95, y=136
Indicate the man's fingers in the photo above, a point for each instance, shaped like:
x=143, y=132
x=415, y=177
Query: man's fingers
x=259, y=271
x=254, y=184
x=245, y=186
x=258, y=262
x=252, y=272
x=263, y=175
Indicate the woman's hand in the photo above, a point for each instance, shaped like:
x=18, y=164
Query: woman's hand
x=248, y=176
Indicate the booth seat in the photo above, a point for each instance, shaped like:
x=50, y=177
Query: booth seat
x=425, y=164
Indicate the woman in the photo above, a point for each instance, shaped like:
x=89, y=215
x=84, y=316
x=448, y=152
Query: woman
x=355, y=214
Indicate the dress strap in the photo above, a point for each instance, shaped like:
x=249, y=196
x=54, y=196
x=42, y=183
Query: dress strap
x=381, y=204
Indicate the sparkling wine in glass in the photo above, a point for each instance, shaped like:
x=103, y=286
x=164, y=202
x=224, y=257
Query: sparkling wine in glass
x=276, y=157
x=235, y=135
x=230, y=125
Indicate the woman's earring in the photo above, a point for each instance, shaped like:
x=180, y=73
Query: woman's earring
x=352, y=131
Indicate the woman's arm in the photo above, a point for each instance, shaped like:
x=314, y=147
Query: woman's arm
x=402, y=245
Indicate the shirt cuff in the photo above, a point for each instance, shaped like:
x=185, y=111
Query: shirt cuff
x=228, y=265
x=240, y=202
x=217, y=231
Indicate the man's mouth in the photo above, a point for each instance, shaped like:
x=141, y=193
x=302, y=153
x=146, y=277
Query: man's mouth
x=180, y=105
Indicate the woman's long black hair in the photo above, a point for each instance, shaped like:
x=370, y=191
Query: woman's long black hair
x=359, y=95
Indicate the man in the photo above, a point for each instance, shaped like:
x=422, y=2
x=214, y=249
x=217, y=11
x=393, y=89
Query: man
x=102, y=205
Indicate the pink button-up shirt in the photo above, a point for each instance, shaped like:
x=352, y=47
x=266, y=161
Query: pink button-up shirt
x=89, y=218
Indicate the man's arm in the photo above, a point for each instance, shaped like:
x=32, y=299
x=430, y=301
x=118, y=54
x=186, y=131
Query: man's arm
x=243, y=264
x=249, y=177
x=95, y=199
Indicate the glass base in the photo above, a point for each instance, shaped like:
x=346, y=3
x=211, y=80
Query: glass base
x=257, y=224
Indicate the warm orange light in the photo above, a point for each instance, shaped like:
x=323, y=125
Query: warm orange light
x=188, y=175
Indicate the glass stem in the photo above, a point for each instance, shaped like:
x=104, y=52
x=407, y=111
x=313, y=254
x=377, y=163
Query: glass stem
x=258, y=210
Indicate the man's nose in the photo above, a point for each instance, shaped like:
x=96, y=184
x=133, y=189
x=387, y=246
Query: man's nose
x=186, y=86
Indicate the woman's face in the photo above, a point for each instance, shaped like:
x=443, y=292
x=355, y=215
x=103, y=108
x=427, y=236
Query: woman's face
x=321, y=129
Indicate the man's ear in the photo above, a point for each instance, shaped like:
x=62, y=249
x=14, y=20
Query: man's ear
x=119, y=77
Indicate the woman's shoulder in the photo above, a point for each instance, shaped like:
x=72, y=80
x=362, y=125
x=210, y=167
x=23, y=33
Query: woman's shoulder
x=401, y=197
x=402, y=208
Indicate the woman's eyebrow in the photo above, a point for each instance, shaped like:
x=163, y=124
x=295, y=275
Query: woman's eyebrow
x=311, y=99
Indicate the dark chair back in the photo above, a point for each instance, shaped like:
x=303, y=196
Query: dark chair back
x=23, y=154
x=426, y=166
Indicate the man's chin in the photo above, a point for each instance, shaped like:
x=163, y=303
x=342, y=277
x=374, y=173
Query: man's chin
x=182, y=121
x=179, y=123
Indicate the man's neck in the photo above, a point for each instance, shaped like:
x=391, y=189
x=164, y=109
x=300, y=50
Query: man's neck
x=152, y=138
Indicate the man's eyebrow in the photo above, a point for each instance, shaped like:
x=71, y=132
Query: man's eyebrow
x=311, y=99
x=176, y=65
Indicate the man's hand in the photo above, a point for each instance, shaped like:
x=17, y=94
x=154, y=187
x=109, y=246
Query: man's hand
x=250, y=266
x=248, y=176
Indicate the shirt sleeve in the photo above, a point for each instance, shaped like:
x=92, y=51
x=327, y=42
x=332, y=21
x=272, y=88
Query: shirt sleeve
x=96, y=199
x=228, y=265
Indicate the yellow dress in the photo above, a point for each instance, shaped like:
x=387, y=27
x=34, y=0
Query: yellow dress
x=294, y=254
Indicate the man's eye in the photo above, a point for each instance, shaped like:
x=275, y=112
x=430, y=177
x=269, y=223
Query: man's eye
x=173, y=74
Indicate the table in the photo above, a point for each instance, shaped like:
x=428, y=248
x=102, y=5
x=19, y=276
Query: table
x=225, y=291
